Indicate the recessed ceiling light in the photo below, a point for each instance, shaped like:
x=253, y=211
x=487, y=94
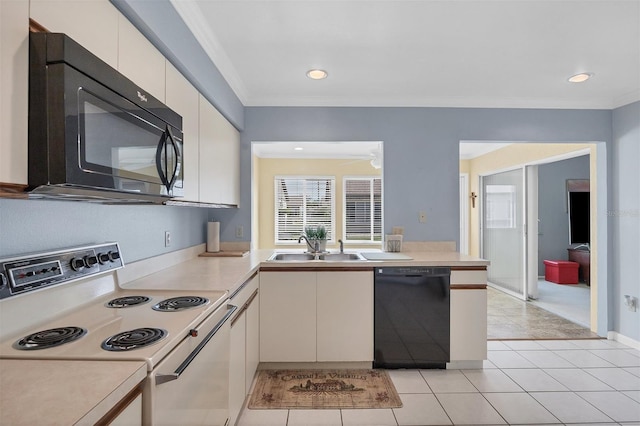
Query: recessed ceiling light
x=317, y=74
x=298, y=148
x=580, y=78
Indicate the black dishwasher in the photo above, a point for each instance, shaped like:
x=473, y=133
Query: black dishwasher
x=412, y=317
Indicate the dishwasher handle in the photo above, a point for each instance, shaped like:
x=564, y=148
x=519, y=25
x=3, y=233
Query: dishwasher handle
x=164, y=378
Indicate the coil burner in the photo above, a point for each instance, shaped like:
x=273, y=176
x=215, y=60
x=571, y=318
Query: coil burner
x=180, y=303
x=49, y=338
x=133, y=339
x=127, y=301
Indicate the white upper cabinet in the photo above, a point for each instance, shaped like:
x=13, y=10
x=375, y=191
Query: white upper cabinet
x=219, y=157
x=140, y=61
x=14, y=84
x=93, y=24
x=182, y=97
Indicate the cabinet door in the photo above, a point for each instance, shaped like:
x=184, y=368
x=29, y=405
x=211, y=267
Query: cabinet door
x=253, y=340
x=345, y=316
x=219, y=157
x=14, y=87
x=287, y=316
x=237, y=364
x=93, y=24
x=468, y=324
x=140, y=61
x=182, y=97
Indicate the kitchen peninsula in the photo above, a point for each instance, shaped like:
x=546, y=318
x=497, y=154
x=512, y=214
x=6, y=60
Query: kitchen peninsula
x=190, y=272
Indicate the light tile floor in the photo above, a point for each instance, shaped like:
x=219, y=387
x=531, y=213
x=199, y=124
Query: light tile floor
x=576, y=382
x=511, y=318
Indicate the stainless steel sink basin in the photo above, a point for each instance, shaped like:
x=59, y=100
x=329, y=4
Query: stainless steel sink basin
x=305, y=257
x=291, y=257
x=339, y=257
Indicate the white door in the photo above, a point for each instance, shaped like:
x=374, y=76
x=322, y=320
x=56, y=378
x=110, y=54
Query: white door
x=503, y=230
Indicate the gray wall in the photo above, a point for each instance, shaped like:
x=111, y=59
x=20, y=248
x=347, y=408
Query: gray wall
x=35, y=225
x=624, y=218
x=553, y=225
x=421, y=163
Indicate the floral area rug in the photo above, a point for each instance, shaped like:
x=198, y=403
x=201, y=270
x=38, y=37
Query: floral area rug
x=279, y=389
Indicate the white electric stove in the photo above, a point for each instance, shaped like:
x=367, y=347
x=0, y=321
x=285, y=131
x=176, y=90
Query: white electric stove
x=66, y=305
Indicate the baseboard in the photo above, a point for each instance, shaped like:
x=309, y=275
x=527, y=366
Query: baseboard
x=614, y=335
x=314, y=365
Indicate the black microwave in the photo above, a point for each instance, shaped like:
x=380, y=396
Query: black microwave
x=93, y=134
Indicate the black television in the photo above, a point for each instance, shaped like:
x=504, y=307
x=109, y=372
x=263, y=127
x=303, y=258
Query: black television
x=579, y=218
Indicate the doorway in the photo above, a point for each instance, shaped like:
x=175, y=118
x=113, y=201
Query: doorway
x=533, y=155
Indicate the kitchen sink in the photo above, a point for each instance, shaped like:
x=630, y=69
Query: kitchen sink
x=305, y=257
x=290, y=257
x=339, y=257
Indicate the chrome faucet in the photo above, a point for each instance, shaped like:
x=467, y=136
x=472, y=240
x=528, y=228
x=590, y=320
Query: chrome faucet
x=312, y=249
x=341, y=246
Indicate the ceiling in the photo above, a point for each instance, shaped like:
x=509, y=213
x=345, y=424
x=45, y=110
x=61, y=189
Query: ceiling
x=453, y=53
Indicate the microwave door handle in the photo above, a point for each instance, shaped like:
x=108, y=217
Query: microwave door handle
x=171, y=140
x=167, y=140
x=160, y=161
x=164, y=378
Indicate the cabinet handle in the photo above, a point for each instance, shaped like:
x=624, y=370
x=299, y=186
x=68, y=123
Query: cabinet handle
x=244, y=307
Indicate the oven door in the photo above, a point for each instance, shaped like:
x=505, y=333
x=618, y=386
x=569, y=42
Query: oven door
x=191, y=385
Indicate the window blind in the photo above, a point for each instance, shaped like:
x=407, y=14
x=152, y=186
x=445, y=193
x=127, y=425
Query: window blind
x=302, y=202
x=362, y=209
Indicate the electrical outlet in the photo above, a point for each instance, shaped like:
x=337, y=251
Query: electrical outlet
x=167, y=238
x=422, y=216
x=239, y=231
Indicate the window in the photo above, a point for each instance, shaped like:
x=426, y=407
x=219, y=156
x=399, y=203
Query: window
x=362, y=209
x=302, y=202
x=500, y=206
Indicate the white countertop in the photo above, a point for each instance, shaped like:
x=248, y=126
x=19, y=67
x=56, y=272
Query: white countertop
x=228, y=273
x=64, y=392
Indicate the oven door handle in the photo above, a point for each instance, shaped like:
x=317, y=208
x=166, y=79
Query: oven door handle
x=164, y=378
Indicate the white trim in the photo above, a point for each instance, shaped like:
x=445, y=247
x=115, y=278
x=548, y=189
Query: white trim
x=531, y=236
x=463, y=238
x=615, y=336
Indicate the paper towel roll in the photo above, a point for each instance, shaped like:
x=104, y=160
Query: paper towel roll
x=213, y=237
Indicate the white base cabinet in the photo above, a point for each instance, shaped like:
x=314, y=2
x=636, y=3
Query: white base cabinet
x=244, y=346
x=344, y=330
x=287, y=316
x=468, y=315
x=316, y=316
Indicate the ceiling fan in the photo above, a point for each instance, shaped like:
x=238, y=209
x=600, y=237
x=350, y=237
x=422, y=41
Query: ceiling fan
x=374, y=158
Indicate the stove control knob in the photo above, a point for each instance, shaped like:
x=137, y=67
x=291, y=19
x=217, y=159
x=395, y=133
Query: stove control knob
x=104, y=258
x=114, y=255
x=77, y=264
x=90, y=261
x=193, y=332
x=3, y=281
